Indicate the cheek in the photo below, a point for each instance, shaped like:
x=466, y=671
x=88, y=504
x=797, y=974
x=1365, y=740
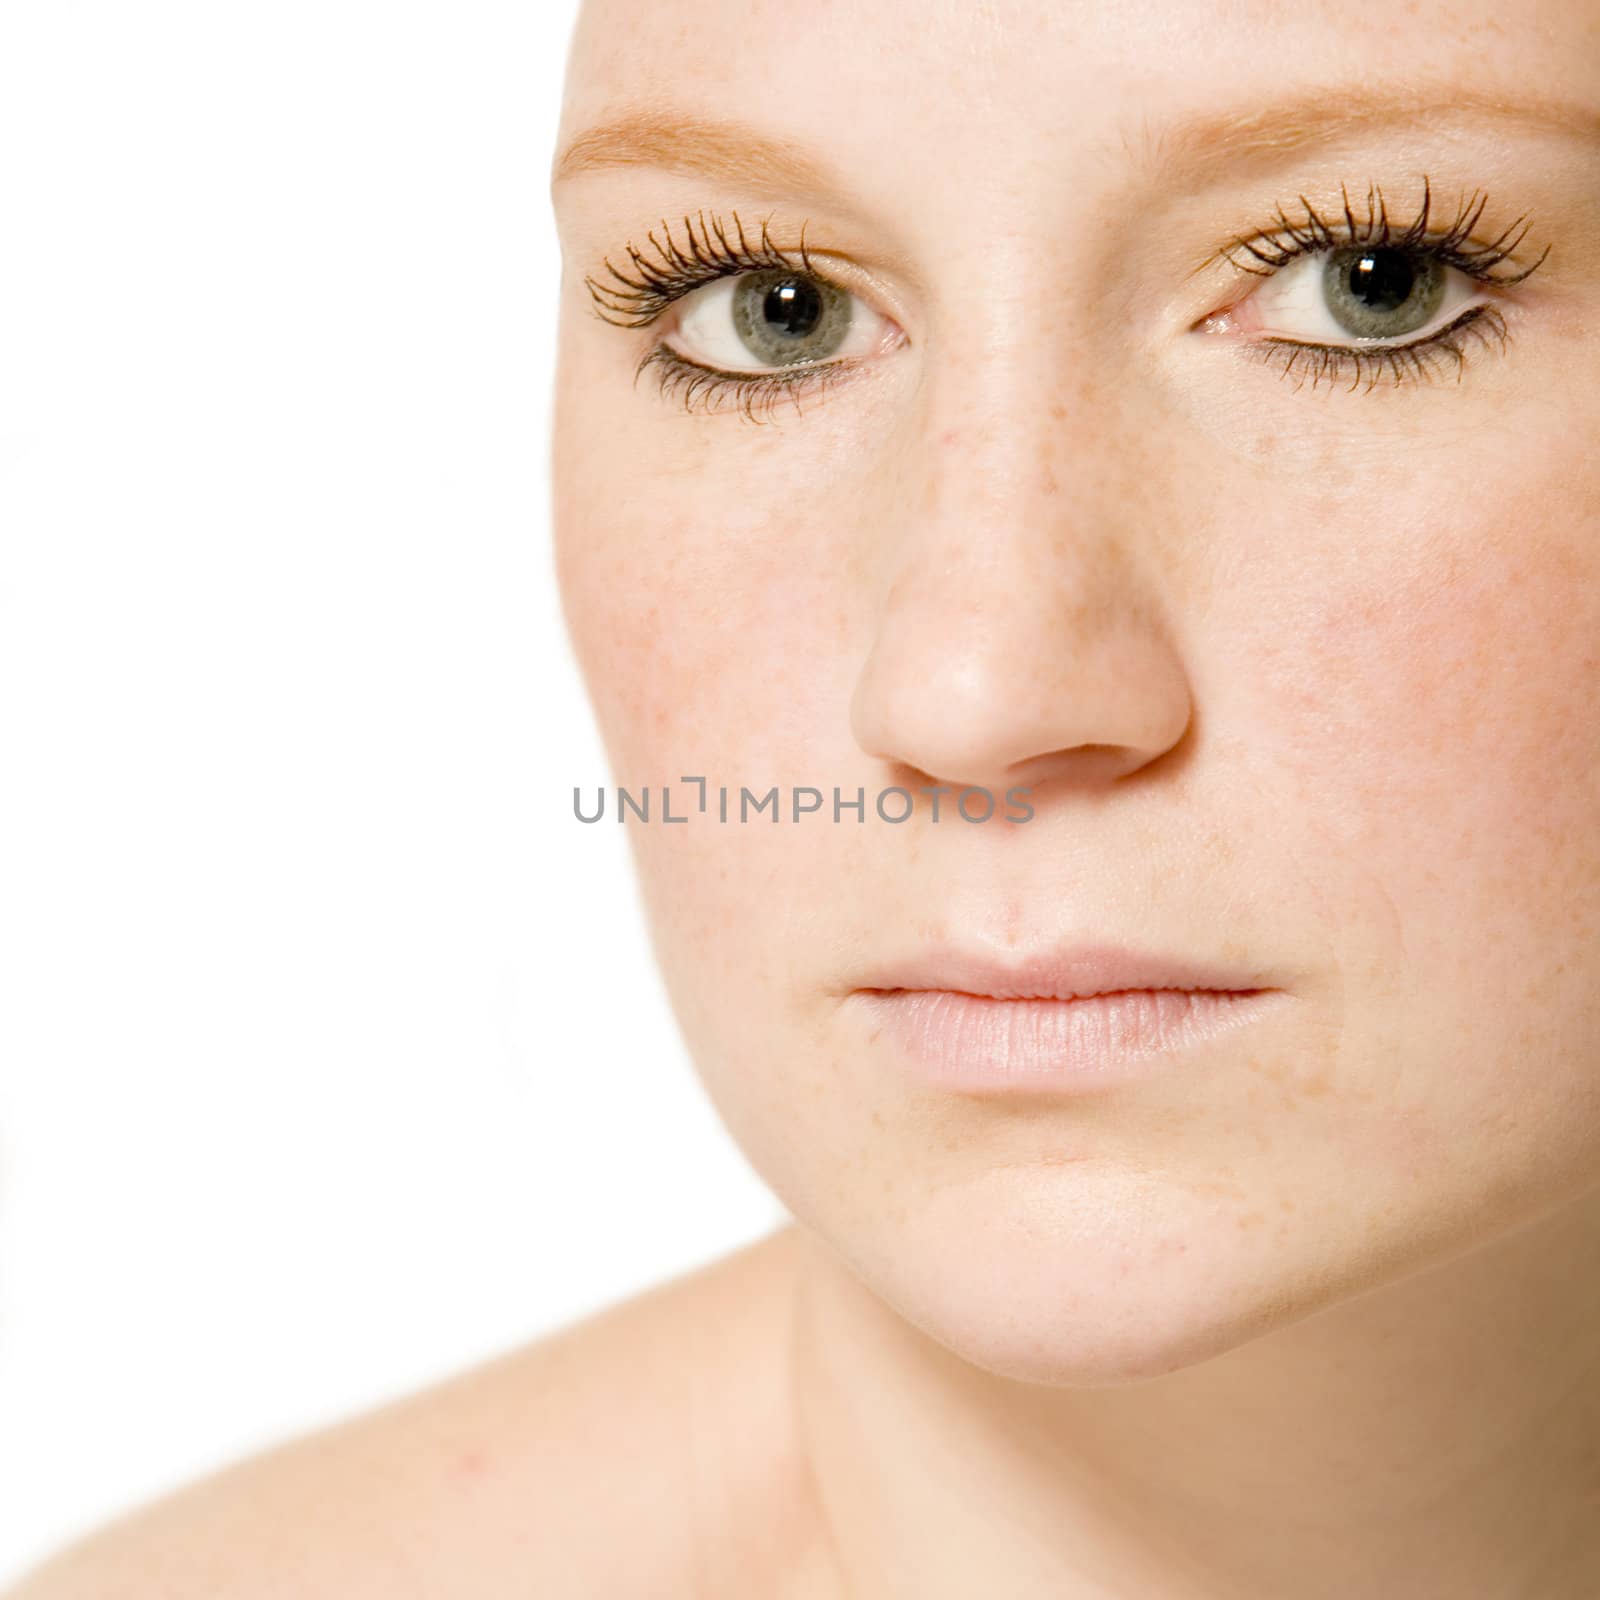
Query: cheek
x=717, y=650
x=1452, y=711
x=711, y=645
x=1434, y=715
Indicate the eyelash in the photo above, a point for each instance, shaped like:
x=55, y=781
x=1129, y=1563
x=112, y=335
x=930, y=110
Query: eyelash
x=1420, y=360
x=642, y=298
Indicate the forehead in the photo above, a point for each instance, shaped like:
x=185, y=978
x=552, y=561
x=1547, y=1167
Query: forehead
x=945, y=109
x=976, y=64
x=987, y=115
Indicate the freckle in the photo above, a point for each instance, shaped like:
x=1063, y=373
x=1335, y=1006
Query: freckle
x=1273, y=1069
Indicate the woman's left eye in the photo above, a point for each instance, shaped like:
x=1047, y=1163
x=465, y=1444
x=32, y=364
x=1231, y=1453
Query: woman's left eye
x=755, y=322
x=1356, y=295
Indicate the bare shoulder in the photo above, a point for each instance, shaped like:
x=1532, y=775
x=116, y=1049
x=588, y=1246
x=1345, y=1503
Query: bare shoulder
x=641, y=1451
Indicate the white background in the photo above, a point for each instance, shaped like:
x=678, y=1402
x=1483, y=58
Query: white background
x=332, y=1057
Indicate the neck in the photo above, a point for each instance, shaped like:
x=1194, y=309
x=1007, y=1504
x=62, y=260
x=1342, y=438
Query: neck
x=1438, y=1436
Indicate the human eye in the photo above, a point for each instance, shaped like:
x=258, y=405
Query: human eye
x=1360, y=297
x=754, y=325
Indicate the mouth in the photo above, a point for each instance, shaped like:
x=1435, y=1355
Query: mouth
x=1075, y=1020
x=1076, y=972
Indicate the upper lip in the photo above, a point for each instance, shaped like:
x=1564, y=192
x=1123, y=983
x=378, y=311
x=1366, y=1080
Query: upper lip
x=1074, y=972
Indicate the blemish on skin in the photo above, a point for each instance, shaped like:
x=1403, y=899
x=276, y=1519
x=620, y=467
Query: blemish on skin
x=1270, y=1068
x=472, y=1464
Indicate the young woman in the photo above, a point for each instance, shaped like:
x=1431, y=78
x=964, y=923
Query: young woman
x=1166, y=438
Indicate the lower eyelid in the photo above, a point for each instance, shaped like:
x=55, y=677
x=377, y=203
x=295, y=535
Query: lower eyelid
x=1445, y=352
x=1465, y=324
x=1298, y=281
x=763, y=391
x=887, y=334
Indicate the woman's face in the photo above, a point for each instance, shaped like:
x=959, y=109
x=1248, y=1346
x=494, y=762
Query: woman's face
x=1090, y=486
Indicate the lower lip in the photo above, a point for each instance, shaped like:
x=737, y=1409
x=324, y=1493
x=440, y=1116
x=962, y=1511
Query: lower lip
x=980, y=1045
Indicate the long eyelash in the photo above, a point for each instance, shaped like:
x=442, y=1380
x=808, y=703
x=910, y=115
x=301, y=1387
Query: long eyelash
x=757, y=394
x=1451, y=246
x=1419, y=362
x=1424, y=359
x=641, y=297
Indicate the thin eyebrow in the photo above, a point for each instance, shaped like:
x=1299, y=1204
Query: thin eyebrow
x=734, y=152
x=741, y=155
x=1192, y=144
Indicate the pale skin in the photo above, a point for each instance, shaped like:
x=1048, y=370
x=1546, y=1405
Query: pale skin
x=1302, y=674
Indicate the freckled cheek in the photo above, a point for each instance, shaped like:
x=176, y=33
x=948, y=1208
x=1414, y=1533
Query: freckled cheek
x=707, y=649
x=715, y=650
x=1445, y=718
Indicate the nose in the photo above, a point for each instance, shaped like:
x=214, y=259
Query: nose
x=1018, y=639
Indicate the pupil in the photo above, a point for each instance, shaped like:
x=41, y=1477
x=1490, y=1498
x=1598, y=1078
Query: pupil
x=793, y=305
x=1382, y=279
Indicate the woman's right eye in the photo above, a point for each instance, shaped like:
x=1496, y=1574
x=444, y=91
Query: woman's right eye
x=755, y=322
x=1357, y=292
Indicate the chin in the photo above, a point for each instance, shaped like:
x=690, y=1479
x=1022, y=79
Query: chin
x=1093, y=1291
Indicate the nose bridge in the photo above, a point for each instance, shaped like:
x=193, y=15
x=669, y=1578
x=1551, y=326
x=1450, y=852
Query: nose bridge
x=998, y=548
x=1016, y=637
x=1019, y=482
x=1025, y=429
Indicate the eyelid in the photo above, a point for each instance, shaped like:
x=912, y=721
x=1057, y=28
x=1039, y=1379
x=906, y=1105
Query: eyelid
x=1299, y=278
x=870, y=334
x=1463, y=247
x=649, y=289
x=1457, y=242
x=650, y=292
x=638, y=292
x=845, y=275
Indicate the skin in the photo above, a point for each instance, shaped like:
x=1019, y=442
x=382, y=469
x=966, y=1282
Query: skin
x=1301, y=677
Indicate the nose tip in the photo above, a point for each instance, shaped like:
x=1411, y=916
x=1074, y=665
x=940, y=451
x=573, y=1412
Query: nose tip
x=1017, y=697
x=1017, y=636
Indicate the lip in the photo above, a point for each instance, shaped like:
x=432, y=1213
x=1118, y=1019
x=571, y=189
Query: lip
x=1074, y=972
x=1073, y=1020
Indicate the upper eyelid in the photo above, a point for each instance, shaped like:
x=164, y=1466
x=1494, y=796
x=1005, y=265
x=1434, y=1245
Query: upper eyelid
x=636, y=297
x=1452, y=241
x=851, y=276
x=837, y=271
x=1455, y=242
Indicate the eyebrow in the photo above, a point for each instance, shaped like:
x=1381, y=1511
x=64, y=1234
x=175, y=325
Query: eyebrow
x=734, y=152
x=1195, y=143
x=741, y=155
